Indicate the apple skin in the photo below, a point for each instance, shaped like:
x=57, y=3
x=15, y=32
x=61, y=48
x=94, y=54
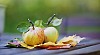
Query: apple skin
x=51, y=34
x=34, y=37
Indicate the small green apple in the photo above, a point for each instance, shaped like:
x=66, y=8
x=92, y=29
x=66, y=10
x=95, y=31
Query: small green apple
x=51, y=34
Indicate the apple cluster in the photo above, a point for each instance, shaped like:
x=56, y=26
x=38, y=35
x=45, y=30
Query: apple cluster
x=37, y=34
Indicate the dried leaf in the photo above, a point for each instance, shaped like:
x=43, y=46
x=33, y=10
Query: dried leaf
x=73, y=40
x=26, y=46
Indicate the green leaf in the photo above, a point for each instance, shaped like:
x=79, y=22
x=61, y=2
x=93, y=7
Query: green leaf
x=11, y=46
x=56, y=21
x=38, y=23
x=19, y=39
x=11, y=41
x=23, y=27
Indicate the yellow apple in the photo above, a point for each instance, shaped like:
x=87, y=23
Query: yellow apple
x=51, y=34
x=34, y=36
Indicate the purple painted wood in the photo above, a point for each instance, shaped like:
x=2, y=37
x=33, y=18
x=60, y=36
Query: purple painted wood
x=86, y=26
x=23, y=51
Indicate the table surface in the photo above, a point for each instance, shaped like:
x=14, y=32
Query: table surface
x=91, y=46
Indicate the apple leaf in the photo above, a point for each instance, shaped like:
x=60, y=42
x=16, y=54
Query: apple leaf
x=56, y=21
x=38, y=23
x=19, y=39
x=23, y=27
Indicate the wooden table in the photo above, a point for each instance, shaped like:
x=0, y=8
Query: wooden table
x=91, y=46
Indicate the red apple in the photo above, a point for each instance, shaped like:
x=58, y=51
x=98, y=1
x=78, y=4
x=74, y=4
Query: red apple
x=33, y=37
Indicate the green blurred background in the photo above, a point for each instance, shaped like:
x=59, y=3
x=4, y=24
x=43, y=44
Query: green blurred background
x=18, y=11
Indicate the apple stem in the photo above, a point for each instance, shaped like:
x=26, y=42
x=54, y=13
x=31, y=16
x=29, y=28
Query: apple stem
x=51, y=19
x=31, y=23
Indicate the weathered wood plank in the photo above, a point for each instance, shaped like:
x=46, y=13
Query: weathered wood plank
x=23, y=51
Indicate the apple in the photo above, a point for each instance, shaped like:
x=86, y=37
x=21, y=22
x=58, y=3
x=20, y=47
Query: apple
x=51, y=34
x=34, y=36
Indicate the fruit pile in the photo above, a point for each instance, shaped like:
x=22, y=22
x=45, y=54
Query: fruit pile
x=38, y=36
